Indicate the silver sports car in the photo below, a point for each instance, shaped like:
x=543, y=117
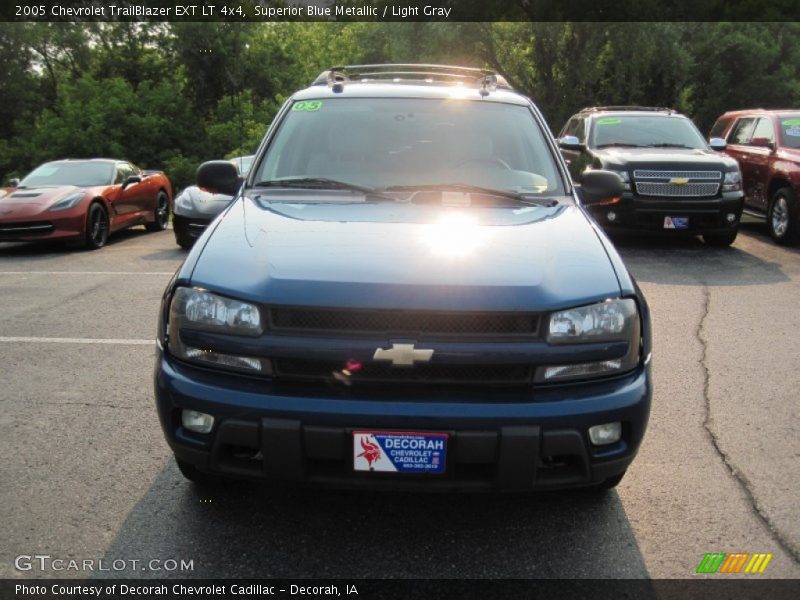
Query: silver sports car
x=195, y=207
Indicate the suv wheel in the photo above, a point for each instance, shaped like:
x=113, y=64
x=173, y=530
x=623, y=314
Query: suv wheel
x=720, y=239
x=783, y=221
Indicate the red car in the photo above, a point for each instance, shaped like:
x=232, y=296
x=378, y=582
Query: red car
x=83, y=201
x=767, y=145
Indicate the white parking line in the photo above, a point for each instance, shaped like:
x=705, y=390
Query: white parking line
x=86, y=272
x=51, y=340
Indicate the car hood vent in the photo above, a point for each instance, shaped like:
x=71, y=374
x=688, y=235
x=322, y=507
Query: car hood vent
x=25, y=195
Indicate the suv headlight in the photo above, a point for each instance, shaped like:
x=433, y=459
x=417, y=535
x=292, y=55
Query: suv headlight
x=626, y=178
x=610, y=321
x=200, y=310
x=732, y=181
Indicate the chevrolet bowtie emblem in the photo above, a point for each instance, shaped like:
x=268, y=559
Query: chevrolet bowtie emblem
x=679, y=180
x=403, y=355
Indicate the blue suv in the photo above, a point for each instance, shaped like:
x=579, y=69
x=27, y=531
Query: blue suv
x=406, y=292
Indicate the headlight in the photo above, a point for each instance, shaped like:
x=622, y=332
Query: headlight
x=204, y=310
x=610, y=321
x=626, y=178
x=199, y=310
x=604, y=322
x=732, y=181
x=68, y=202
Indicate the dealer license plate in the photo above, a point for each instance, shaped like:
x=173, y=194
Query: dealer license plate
x=399, y=452
x=676, y=222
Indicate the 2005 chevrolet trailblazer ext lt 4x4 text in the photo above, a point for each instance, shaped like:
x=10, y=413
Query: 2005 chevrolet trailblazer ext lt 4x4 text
x=406, y=292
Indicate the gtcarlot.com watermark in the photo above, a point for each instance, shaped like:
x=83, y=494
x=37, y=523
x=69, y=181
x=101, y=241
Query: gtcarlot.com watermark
x=45, y=562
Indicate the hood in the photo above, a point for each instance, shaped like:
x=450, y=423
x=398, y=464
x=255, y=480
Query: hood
x=194, y=202
x=35, y=197
x=391, y=255
x=664, y=159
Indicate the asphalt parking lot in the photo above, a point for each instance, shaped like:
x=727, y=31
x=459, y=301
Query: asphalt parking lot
x=86, y=473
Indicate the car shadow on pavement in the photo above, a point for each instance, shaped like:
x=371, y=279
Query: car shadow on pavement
x=689, y=261
x=252, y=530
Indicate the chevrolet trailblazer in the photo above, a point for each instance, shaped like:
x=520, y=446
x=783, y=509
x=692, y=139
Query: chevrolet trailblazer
x=406, y=292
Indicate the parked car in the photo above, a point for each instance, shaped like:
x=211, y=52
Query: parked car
x=766, y=143
x=195, y=207
x=83, y=201
x=406, y=292
x=674, y=180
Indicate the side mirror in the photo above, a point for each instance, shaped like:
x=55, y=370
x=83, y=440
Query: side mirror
x=598, y=186
x=219, y=177
x=131, y=180
x=717, y=144
x=762, y=142
x=570, y=142
x=13, y=182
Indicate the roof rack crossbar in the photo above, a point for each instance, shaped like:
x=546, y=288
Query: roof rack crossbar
x=486, y=79
x=631, y=108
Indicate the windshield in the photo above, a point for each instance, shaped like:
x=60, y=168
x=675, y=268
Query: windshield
x=82, y=174
x=790, y=131
x=243, y=163
x=645, y=130
x=382, y=143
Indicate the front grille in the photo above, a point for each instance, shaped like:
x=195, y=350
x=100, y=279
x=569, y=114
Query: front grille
x=693, y=190
x=645, y=174
x=25, y=228
x=416, y=324
x=323, y=370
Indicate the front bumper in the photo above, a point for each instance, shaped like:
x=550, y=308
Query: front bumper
x=67, y=225
x=637, y=213
x=189, y=228
x=498, y=440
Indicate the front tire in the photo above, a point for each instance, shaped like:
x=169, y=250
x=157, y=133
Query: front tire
x=161, y=214
x=720, y=239
x=96, y=234
x=783, y=220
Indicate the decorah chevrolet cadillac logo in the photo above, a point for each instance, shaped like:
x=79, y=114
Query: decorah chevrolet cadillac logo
x=403, y=355
x=679, y=180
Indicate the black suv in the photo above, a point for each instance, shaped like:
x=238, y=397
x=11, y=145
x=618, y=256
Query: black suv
x=674, y=179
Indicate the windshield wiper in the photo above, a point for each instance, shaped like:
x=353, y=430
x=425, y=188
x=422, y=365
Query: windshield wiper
x=669, y=145
x=619, y=144
x=475, y=189
x=322, y=183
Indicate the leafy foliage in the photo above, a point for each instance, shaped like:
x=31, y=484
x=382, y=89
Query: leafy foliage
x=172, y=95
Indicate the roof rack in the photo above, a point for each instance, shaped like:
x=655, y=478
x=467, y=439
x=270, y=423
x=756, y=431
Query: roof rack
x=631, y=108
x=486, y=79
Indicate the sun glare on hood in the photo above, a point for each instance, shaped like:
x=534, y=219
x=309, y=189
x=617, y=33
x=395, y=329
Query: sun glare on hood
x=455, y=235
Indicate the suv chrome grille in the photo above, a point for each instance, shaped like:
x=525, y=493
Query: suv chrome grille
x=696, y=184
x=417, y=324
x=694, y=190
x=644, y=174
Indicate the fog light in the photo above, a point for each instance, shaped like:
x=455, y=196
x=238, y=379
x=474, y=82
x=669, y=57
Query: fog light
x=197, y=421
x=612, y=216
x=731, y=217
x=608, y=433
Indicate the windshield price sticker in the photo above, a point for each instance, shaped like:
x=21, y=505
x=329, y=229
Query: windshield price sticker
x=609, y=121
x=307, y=105
x=399, y=452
